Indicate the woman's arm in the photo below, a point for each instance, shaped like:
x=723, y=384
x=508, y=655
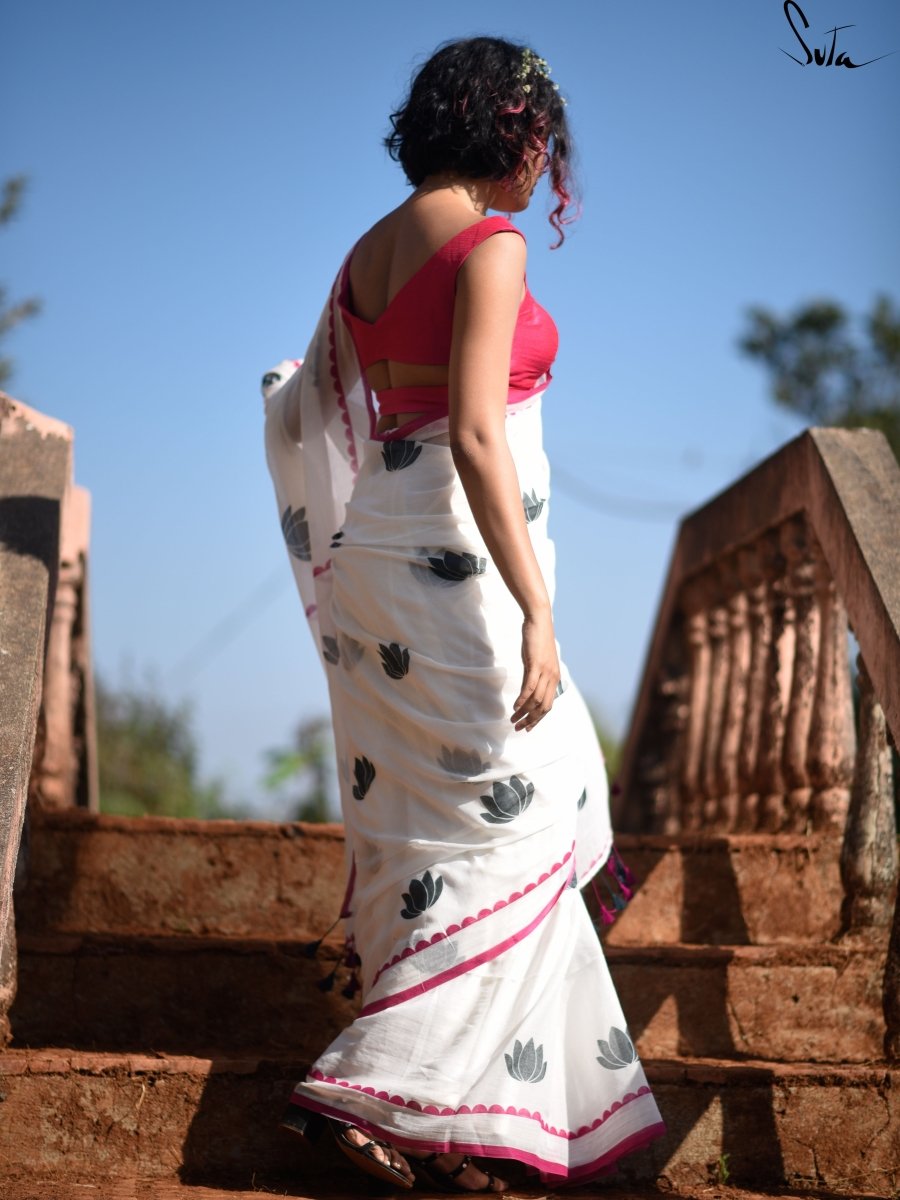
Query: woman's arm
x=488, y=297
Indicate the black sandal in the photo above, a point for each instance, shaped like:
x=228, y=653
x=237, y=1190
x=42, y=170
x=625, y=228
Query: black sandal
x=444, y=1180
x=311, y=1125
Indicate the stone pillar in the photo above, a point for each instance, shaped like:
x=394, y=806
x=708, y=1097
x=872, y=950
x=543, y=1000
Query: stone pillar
x=739, y=648
x=697, y=631
x=832, y=738
x=869, y=852
x=759, y=619
x=796, y=543
x=35, y=475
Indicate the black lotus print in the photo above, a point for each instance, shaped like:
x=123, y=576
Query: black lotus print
x=336, y=539
x=364, y=774
x=400, y=454
x=507, y=800
x=559, y=688
x=457, y=761
x=618, y=1052
x=582, y=799
x=533, y=507
x=573, y=880
x=295, y=528
x=526, y=1063
x=394, y=659
x=331, y=651
x=455, y=567
x=421, y=895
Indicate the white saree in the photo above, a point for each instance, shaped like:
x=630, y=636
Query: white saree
x=489, y=1023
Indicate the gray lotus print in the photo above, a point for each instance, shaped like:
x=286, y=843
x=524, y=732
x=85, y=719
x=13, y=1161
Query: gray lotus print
x=582, y=799
x=526, y=1063
x=394, y=659
x=400, y=454
x=507, y=800
x=295, y=528
x=364, y=774
x=457, y=761
x=330, y=650
x=532, y=505
x=351, y=650
x=618, y=1052
x=421, y=895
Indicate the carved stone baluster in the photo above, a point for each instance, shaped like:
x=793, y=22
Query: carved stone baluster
x=892, y=993
x=869, y=852
x=801, y=578
x=759, y=619
x=696, y=630
x=779, y=673
x=717, y=627
x=739, y=648
x=832, y=738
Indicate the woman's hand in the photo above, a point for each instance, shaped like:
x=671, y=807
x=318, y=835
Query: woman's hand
x=541, y=671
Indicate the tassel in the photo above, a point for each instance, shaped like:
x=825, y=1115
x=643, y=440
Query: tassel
x=605, y=915
x=311, y=949
x=611, y=869
x=352, y=987
x=326, y=984
x=624, y=873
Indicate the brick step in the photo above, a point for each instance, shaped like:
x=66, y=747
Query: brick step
x=791, y=1003
x=90, y=871
x=142, y=1188
x=48, y=1188
x=95, y=1114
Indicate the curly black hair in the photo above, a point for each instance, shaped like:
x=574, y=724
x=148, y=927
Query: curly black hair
x=476, y=108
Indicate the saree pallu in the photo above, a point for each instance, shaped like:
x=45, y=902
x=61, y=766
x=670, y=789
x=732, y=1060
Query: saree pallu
x=488, y=1023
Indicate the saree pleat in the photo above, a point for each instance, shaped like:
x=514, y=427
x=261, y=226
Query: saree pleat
x=488, y=1022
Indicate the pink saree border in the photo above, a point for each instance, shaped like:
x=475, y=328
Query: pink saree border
x=419, y=989
x=549, y=1170
x=466, y=922
x=336, y=375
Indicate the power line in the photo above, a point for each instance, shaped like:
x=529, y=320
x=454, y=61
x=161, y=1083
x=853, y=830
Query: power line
x=232, y=625
x=225, y=631
x=615, y=506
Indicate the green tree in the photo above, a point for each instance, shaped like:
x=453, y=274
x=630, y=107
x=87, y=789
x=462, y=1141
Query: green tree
x=148, y=757
x=819, y=369
x=609, y=743
x=303, y=767
x=12, y=314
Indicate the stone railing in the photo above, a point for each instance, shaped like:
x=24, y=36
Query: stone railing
x=744, y=721
x=47, y=747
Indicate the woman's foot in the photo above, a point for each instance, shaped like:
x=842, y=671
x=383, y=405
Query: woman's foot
x=457, y=1173
x=373, y=1155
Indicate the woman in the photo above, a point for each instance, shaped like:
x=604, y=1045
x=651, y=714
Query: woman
x=413, y=491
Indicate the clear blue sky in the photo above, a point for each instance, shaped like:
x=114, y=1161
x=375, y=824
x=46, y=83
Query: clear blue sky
x=199, y=169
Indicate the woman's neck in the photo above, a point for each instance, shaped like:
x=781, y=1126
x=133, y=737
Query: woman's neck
x=477, y=194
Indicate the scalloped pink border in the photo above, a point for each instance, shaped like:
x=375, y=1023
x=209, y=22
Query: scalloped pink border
x=464, y=1110
x=335, y=374
x=442, y=935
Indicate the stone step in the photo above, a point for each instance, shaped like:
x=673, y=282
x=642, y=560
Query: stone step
x=791, y=1003
x=101, y=873
x=95, y=1115
x=749, y=889
x=93, y=871
x=141, y=1188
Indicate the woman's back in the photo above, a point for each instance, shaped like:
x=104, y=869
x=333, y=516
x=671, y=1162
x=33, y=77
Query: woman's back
x=384, y=260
